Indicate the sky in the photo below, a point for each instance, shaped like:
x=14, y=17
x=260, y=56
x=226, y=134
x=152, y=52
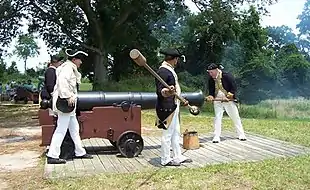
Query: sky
x=285, y=12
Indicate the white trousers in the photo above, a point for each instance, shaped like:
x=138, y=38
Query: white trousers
x=171, y=138
x=232, y=111
x=64, y=122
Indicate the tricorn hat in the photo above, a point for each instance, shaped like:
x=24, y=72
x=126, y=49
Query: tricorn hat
x=78, y=54
x=214, y=66
x=172, y=52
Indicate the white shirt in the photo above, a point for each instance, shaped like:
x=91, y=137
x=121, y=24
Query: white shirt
x=66, y=82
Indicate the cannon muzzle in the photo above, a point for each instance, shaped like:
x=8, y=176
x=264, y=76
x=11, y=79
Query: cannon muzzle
x=87, y=100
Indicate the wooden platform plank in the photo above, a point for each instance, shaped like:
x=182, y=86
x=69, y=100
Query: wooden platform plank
x=94, y=165
x=297, y=146
x=108, y=157
x=98, y=165
x=206, y=140
x=157, y=141
x=154, y=156
x=275, y=148
x=270, y=149
x=128, y=162
x=249, y=155
x=199, y=159
x=207, y=151
x=284, y=145
x=260, y=153
x=290, y=147
x=230, y=149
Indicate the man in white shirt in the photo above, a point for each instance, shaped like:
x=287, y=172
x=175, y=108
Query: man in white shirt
x=65, y=90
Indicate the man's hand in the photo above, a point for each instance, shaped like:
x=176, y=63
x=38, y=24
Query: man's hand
x=166, y=92
x=209, y=98
x=71, y=101
x=230, y=96
x=185, y=103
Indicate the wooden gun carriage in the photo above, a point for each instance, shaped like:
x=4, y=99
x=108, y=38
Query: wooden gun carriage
x=25, y=95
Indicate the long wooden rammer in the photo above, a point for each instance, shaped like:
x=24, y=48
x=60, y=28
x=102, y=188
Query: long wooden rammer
x=140, y=60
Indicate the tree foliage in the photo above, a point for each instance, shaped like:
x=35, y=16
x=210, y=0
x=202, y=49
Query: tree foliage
x=26, y=47
x=267, y=62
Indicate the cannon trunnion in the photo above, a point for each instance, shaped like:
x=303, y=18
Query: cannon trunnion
x=115, y=116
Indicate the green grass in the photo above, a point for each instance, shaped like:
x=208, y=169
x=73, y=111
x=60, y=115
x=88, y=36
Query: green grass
x=271, y=174
x=86, y=87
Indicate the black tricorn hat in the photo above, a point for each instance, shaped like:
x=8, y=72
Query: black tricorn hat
x=78, y=54
x=171, y=52
x=214, y=66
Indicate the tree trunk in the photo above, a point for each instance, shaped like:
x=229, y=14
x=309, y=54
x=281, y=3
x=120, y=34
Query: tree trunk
x=100, y=71
x=25, y=65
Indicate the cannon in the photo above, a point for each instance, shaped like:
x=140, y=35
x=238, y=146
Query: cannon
x=25, y=95
x=115, y=116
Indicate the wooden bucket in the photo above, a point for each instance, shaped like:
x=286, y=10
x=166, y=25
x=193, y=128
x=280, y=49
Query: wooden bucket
x=190, y=140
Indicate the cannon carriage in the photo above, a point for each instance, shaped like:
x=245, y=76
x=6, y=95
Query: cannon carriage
x=115, y=116
x=24, y=94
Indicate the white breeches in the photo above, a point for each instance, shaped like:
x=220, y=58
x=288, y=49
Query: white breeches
x=171, y=138
x=232, y=111
x=64, y=122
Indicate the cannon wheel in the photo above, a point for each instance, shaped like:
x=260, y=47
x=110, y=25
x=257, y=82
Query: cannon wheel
x=130, y=144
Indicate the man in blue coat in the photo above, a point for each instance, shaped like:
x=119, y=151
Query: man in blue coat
x=168, y=110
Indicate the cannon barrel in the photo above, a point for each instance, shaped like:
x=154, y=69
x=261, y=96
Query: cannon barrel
x=87, y=100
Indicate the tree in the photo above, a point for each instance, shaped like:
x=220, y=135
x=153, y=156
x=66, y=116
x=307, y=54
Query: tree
x=280, y=36
x=2, y=68
x=12, y=69
x=257, y=75
x=170, y=29
x=304, y=29
x=304, y=24
x=26, y=47
x=10, y=21
x=294, y=71
x=206, y=35
x=203, y=5
x=99, y=27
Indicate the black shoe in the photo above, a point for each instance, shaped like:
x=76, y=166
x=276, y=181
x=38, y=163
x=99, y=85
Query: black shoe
x=172, y=163
x=86, y=156
x=55, y=160
x=188, y=160
x=242, y=139
x=215, y=141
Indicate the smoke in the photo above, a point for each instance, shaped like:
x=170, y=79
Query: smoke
x=232, y=57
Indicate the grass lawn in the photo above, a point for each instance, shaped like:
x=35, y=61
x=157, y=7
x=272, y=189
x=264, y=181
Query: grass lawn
x=292, y=173
x=86, y=86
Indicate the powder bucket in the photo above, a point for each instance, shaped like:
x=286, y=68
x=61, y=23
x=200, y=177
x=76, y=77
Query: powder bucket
x=190, y=140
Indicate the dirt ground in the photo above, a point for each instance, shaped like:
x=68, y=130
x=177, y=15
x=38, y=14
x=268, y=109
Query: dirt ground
x=21, y=156
x=20, y=153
